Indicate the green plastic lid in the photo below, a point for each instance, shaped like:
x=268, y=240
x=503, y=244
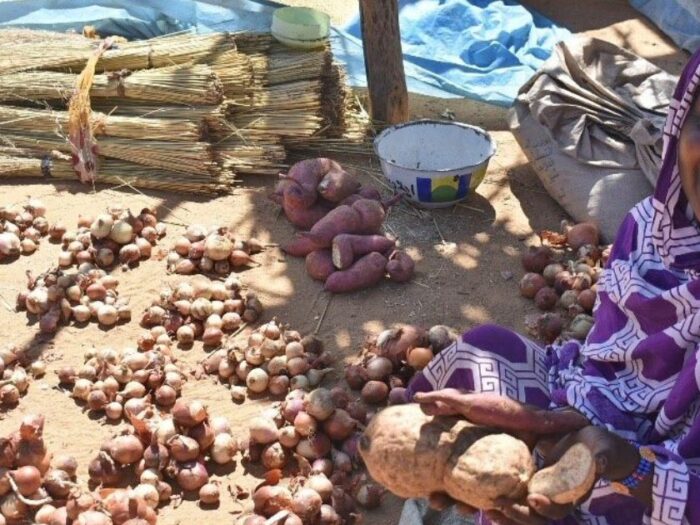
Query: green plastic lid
x=300, y=27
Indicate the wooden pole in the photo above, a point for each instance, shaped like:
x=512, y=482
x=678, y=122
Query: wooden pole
x=386, y=80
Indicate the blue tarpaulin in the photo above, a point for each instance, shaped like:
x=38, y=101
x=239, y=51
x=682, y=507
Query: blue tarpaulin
x=679, y=19
x=481, y=49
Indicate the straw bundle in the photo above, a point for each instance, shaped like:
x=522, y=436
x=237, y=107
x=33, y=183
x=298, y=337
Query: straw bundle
x=48, y=121
x=191, y=84
x=50, y=52
x=270, y=127
x=262, y=159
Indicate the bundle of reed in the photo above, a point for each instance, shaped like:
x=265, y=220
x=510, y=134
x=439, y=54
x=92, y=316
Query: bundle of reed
x=47, y=121
x=71, y=53
x=188, y=84
x=271, y=127
x=19, y=163
x=194, y=158
x=289, y=65
x=246, y=158
x=302, y=95
x=236, y=71
x=251, y=42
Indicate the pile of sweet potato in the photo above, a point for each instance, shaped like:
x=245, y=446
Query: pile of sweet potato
x=343, y=244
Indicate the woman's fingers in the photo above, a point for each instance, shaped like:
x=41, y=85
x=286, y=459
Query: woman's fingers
x=446, y=395
x=544, y=506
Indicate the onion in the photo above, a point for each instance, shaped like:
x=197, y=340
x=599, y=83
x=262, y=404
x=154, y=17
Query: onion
x=319, y=404
x=263, y=430
x=212, y=336
x=374, y=392
x=299, y=382
x=102, y=226
x=268, y=500
x=257, y=380
x=202, y=434
x=278, y=385
x=306, y=504
x=230, y=321
x=537, y=258
x=28, y=479
x=122, y=232
x=107, y=315
x=546, y=298
x=288, y=437
x=314, y=447
x=549, y=327
x=201, y=308
x=294, y=349
x=192, y=475
x=147, y=493
x=195, y=232
x=66, y=375
x=379, y=368
x=587, y=299
x=582, y=234
x=291, y=407
x=581, y=281
x=530, y=284
x=220, y=425
x=43, y=515
x=165, y=491
x=356, y=376
x=304, y=424
x=133, y=389
x=339, y=425
x=183, y=448
x=397, y=396
x=223, y=449
x=369, y=495
x=97, y=400
x=209, y=494
x=217, y=247
x=182, y=246
x=581, y=326
x=273, y=456
x=125, y=449
x=12, y=508
x=57, y=483
x=188, y=413
x=129, y=253
x=563, y=281
x=419, y=357
x=66, y=463
x=144, y=247
x=321, y=485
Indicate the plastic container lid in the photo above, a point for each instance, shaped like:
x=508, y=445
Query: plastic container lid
x=300, y=27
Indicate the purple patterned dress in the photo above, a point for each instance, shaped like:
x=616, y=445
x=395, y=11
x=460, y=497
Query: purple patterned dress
x=638, y=373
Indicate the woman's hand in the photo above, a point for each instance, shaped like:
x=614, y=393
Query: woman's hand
x=501, y=412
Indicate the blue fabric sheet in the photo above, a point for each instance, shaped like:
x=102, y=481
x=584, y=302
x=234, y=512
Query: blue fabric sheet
x=481, y=49
x=679, y=19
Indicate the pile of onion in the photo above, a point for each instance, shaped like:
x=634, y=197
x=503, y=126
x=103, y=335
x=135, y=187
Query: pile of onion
x=166, y=452
x=17, y=370
x=116, y=236
x=390, y=360
x=274, y=360
x=202, y=309
x=562, y=280
x=80, y=295
x=21, y=228
x=315, y=434
x=212, y=250
x=123, y=384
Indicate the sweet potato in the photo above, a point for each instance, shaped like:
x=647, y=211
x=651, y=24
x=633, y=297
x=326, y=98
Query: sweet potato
x=366, y=272
x=348, y=247
x=305, y=219
x=308, y=173
x=365, y=192
x=493, y=467
x=568, y=479
x=299, y=247
x=277, y=194
x=371, y=215
x=295, y=196
x=343, y=219
x=319, y=264
x=407, y=451
x=337, y=184
x=400, y=267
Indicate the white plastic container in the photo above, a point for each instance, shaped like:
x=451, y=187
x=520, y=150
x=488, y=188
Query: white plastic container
x=300, y=27
x=436, y=163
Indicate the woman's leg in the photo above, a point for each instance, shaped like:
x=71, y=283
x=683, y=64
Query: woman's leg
x=489, y=358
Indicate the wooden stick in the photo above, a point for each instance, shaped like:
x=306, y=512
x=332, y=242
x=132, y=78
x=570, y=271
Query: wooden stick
x=386, y=80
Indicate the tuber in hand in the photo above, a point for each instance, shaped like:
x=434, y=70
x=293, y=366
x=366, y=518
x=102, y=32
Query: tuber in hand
x=366, y=272
x=348, y=247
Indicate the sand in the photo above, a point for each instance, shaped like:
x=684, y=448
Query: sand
x=467, y=262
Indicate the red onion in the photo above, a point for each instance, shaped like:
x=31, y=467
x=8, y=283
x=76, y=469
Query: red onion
x=329, y=516
x=183, y=448
x=341, y=461
x=31, y=427
x=537, y=258
x=319, y=404
x=304, y=424
x=268, y=500
x=375, y=392
x=350, y=446
x=356, y=376
x=321, y=484
x=278, y=385
x=103, y=470
x=57, y=483
x=203, y=434
x=188, y=413
x=379, y=368
x=209, y=494
x=291, y=407
x=369, y=495
x=192, y=475
x=263, y=430
x=306, y=504
x=273, y=456
x=582, y=234
x=397, y=396
x=28, y=479
x=314, y=447
x=288, y=437
x=339, y=425
x=156, y=456
x=126, y=449
x=66, y=463
x=358, y=411
x=340, y=397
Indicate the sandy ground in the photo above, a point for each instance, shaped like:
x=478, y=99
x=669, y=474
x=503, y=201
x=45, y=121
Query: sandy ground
x=464, y=256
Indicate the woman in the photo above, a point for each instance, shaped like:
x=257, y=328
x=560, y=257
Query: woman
x=631, y=392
